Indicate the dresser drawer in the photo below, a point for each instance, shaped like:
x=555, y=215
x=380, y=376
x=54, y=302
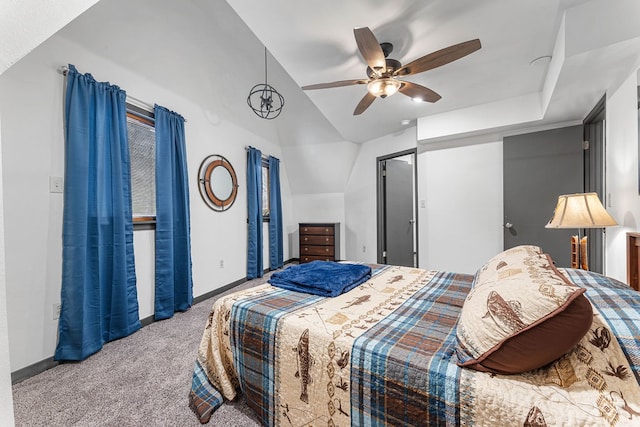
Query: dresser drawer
x=319, y=241
x=309, y=258
x=323, y=231
x=316, y=240
x=316, y=250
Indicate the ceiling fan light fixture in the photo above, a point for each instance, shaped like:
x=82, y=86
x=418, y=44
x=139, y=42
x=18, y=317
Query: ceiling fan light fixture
x=384, y=73
x=383, y=87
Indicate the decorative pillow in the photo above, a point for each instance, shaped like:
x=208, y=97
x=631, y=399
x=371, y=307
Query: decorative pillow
x=521, y=314
x=506, y=264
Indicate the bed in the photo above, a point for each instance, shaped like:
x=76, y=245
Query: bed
x=398, y=350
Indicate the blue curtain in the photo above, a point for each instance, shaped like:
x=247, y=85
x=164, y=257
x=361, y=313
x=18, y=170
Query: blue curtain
x=99, y=297
x=276, y=257
x=174, y=284
x=254, y=206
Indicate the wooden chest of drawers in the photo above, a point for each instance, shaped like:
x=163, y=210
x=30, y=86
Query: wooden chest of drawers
x=319, y=241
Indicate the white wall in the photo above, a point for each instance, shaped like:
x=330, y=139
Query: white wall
x=320, y=168
x=31, y=104
x=360, y=194
x=321, y=172
x=460, y=226
x=325, y=207
x=622, y=173
x=6, y=396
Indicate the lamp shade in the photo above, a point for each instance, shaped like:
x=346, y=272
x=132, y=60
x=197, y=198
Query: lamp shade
x=581, y=210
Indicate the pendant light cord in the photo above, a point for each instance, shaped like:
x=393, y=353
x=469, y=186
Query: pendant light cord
x=265, y=65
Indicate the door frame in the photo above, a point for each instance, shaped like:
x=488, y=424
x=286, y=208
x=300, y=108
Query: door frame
x=594, y=179
x=380, y=203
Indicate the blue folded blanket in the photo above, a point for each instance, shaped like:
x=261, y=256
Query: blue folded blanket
x=325, y=278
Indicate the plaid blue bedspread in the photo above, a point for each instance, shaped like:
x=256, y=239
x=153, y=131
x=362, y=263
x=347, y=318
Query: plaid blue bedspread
x=403, y=369
x=620, y=306
x=253, y=328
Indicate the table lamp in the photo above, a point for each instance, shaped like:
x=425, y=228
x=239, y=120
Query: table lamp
x=580, y=210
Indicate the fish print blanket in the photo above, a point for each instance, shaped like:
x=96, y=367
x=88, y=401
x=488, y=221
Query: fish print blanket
x=384, y=354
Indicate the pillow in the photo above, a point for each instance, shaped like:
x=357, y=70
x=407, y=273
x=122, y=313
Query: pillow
x=506, y=263
x=523, y=320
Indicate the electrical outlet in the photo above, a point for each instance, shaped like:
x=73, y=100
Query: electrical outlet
x=56, y=184
x=364, y=249
x=55, y=311
x=423, y=204
x=221, y=263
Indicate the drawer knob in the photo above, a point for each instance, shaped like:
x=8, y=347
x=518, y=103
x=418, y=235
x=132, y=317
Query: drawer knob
x=326, y=230
x=326, y=250
x=306, y=229
x=306, y=238
x=327, y=239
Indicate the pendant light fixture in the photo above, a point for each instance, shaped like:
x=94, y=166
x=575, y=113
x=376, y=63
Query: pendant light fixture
x=264, y=99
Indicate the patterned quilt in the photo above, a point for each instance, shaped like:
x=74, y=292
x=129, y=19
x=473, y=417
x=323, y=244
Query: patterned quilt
x=384, y=354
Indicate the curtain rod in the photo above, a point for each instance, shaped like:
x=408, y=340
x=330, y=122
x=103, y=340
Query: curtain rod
x=262, y=155
x=64, y=70
x=246, y=148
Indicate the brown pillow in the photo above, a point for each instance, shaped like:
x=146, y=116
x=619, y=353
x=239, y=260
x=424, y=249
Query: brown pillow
x=522, y=321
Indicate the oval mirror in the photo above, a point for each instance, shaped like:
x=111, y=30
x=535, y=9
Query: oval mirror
x=217, y=182
x=221, y=183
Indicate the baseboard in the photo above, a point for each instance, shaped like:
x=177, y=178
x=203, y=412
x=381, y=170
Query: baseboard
x=43, y=365
x=31, y=370
x=218, y=291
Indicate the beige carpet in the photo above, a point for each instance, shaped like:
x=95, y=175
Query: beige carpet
x=140, y=380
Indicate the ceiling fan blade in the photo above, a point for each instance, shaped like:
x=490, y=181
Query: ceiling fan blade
x=413, y=90
x=439, y=58
x=364, y=104
x=336, y=84
x=370, y=49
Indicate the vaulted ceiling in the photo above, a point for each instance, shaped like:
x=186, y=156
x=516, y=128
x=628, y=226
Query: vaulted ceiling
x=586, y=47
x=550, y=61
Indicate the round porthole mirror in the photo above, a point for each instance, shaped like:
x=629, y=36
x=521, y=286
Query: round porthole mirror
x=217, y=182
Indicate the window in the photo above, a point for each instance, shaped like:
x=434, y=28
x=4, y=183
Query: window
x=142, y=150
x=265, y=190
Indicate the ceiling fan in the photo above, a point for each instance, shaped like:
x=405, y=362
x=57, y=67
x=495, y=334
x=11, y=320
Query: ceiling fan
x=384, y=72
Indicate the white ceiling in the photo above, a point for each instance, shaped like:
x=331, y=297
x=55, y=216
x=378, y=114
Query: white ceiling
x=27, y=23
x=314, y=43
x=594, y=43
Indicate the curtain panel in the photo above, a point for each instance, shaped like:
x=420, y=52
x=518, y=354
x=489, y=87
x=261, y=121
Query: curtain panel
x=99, y=297
x=276, y=250
x=174, y=282
x=254, y=207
